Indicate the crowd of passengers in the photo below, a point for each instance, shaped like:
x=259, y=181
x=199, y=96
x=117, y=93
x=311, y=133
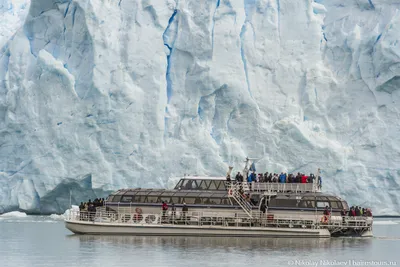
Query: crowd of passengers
x=275, y=178
x=90, y=207
x=353, y=212
x=357, y=212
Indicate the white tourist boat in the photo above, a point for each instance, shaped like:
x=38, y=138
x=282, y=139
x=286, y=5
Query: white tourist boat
x=213, y=206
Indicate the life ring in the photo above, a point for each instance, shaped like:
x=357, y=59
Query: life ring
x=138, y=210
x=230, y=192
x=137, y=217
x=324, y=219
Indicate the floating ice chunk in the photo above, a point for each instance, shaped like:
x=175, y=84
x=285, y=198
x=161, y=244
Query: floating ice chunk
x=14, y=214
x=57, y=216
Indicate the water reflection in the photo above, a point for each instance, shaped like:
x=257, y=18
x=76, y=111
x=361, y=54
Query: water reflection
x=250, y=244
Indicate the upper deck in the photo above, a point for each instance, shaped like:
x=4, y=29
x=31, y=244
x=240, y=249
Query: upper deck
x=221, y=184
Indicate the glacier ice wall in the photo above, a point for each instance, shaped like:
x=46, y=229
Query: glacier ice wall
x=132, y=92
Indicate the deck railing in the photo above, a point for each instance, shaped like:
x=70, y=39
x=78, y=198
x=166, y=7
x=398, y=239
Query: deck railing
x=279, y=187
x=222, y=219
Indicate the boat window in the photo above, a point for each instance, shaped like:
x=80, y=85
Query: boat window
x=223, y=186
x=126, y=199
x=175, y=200
x=220, y=184
x=189, y=200
x=336, y=205
x=332, y=198
x=225, y=201
x=187, y=184
x=205, y=201
x=345, y=205
x=117, y=198
x=179, y=184
x=311, y=203
x=215, y=201
x=321, y=204
x=322, y=198
x=202, y=185
x=272, y=202
x=197, y=200
x=286, y=203
x=151, y=199
x=138, y=198
x=212, y=186
x=303, y=204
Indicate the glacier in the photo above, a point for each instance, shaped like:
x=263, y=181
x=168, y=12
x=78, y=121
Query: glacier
x=97, y=95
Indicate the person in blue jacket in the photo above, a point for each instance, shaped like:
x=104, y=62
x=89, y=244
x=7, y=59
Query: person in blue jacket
x=282, y=178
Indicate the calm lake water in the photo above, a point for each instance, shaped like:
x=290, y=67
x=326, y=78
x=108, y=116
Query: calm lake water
x=42, y=241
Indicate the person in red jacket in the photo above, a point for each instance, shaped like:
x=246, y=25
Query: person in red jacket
x=164, y=209
x=303, y=179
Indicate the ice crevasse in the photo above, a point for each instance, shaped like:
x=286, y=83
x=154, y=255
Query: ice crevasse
x=97, y=95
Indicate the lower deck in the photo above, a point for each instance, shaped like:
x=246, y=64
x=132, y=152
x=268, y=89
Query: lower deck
x=209, y=223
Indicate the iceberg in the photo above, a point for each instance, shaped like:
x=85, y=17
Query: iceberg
x=14, y=214
x=100, y=95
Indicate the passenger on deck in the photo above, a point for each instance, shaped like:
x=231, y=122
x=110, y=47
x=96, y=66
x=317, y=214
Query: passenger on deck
x=282, y=178
x=352, y=212
x=357, y=210
x=298, y=178
x=266, y=178
x=237, y=178
x=319, y=182
x=263, y=207
x=185, y=210
x=91, y=210
x=173, y=213
x=249, y=178
x=311, y=178
x=164, y=208
x=228, y=178
x=326, y=211
x=81, y=208
x=303, y=179
x=343, y=213
x=270, y=177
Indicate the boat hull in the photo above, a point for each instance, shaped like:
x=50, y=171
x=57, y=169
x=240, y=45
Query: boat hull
x=92, y=228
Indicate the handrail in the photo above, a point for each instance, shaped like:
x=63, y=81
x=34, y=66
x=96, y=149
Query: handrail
x=238, y=197
x=258, y=219
x=279, y=187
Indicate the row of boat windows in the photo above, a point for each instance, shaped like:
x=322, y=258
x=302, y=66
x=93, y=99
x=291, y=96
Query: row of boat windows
x=225, y=201
x=176, y=200
x=188, y=184
x=305, y=203
x=141, y=195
